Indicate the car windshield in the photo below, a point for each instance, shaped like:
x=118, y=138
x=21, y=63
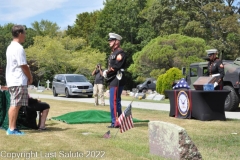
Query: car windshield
x=76, y=79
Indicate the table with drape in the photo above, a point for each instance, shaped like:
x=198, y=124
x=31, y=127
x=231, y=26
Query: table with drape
x=203, y=105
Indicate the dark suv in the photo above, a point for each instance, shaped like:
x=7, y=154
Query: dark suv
x=150, y=83
x=71, y=84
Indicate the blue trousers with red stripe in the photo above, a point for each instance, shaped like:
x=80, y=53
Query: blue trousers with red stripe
x=115, y=103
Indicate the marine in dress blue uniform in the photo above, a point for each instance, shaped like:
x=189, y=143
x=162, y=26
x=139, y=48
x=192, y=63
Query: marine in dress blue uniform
x=215, y=66
x=116, y=65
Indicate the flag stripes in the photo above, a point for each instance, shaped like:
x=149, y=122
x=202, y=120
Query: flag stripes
x=125, y=120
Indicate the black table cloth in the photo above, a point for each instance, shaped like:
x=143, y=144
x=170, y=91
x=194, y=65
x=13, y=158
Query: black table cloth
x=204, y=105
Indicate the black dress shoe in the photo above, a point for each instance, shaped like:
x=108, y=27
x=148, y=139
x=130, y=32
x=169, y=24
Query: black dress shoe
x=113, y=126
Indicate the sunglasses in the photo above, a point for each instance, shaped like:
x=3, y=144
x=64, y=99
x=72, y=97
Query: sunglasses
x=210, y=55
x=112, y=39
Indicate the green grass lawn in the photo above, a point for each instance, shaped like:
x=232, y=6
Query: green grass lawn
x=214, y=139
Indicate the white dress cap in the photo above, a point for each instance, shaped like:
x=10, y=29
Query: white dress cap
x=211, y=51
x=114, y=36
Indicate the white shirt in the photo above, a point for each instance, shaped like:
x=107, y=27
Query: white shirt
x=15, y=58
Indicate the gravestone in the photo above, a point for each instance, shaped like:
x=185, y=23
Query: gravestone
x=134, y=90
x=48, y=84
x=31, y=87
x=132, y=94
x=150, y=91
x=158, y=97
x=171, y=141
x=125, y=93
x=140, y=95
x=40, y=89
x=150, y=96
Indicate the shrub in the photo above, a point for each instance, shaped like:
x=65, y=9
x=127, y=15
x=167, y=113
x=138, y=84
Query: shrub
x=159, y=84
x=166, y=80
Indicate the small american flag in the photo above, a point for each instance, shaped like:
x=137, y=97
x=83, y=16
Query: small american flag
x=107, y=134
x=125, y=119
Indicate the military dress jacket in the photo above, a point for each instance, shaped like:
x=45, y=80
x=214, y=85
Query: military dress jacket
x=117, y=66
x=216, y=67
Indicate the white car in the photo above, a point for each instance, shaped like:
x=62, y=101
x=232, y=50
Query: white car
x=71, y=84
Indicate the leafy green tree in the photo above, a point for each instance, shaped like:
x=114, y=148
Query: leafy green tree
x=29, y=37
x=46, y=28
x=84, y=25
x=49, y=56
x=166, y=17
x=85, y=60
x=215, y=21
x=165, y=52
x=223, y=23
x=145, y=33
x=5, y=40
x=211, y=20
x=156, y=72
x=119, y=17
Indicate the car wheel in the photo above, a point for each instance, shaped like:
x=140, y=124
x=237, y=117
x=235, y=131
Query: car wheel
x=144, y=90
x=54, y=92
x=231, y=102
x=67, y=93
x=89, y=96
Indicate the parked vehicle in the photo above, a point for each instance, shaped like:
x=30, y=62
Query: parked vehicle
x=150, y=83
x=231, y=80
x=71, y=84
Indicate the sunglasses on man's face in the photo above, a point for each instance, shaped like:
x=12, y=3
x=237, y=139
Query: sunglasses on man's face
x=210, y=55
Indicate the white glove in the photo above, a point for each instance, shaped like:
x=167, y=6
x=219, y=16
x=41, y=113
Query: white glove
x=216, y=75
x=105, y=73
x=215, y=84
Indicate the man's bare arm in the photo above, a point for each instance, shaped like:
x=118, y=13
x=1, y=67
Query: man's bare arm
x=26, y=71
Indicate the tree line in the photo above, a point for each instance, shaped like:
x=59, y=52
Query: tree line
x=157, y=35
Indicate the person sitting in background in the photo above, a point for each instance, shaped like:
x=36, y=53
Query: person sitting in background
x=42, y=107
x=37, y=105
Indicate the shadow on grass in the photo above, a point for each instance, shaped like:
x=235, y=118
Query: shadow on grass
x=141, y=124
x=50, y=129
x=52, y=123
x=232, y=119
x=77, y=96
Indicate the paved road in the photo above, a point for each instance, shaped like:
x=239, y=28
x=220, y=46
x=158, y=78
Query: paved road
x=135, y=104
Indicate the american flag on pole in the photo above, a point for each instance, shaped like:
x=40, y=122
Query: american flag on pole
x=125, y=119
x=107, y=134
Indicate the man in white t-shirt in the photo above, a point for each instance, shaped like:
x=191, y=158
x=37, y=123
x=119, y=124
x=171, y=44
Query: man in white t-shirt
x=18, y=77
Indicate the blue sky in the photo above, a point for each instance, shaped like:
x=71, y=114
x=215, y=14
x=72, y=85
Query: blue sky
x=62, y=12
